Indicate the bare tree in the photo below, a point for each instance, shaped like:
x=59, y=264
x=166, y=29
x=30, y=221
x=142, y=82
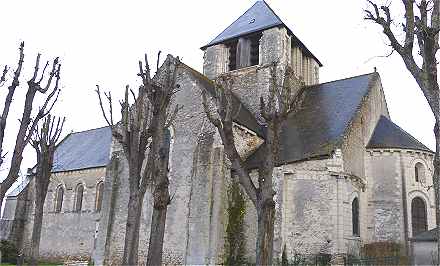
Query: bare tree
x=141, y=134
x=44, y=141
x=284, y=98
x=421, y=25
x=28, y=122
x=8, y=100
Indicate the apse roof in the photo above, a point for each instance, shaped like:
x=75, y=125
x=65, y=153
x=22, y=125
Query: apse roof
x=389, y=135
x=257, y=18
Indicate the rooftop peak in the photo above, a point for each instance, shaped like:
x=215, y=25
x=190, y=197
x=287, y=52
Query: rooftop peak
x=259, y=17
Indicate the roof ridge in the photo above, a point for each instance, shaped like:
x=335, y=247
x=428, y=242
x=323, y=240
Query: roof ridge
x=234, y=22
x=275, y=14
x=342, y=79
x=77, y=132
x=242, y=15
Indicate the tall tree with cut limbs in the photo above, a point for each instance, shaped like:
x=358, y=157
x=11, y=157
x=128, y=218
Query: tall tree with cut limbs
x=44, y=142
x=420, y=28
x=8, y=100
x=141, y=134
x=284, y=98
x=43, y=83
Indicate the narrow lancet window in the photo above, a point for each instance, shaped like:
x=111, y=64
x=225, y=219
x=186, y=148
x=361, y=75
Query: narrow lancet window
x=79, y=197
x=59, y=199
x=355, y=217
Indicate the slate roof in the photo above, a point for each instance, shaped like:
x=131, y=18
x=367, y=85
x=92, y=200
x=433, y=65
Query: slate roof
x=257, y=18
x=20, y=187
x=430, y=235
x=318, y=128
x=389, y=135
x=82, y=150
x=244, y=116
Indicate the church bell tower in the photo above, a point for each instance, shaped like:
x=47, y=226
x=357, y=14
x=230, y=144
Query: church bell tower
x=257, y=38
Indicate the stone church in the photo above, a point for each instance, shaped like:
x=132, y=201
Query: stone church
x=346, y=176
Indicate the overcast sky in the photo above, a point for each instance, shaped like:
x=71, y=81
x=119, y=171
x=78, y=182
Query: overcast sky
x=100, y=42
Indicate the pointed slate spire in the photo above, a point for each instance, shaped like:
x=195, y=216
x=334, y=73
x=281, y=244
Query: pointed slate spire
x=257, y=18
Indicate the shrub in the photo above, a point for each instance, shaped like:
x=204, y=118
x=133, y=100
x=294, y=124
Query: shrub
x=380, y=250
x=8, y=252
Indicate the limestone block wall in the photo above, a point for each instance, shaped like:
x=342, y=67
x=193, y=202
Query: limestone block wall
x=385, y=197
x=215, y=60
x=252, y=82
x=14, y=217
x=391, y=189
x=310, y=198
x=194, y=225
x=275, y=45
x=352, y=190
x=309, y=208
x=67, y=234
x=304, y=66
x=313, y=210
x=423, y=188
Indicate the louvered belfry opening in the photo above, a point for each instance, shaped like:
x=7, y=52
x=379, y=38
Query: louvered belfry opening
x=418, y=216
x=244, y=51
x=232, y=55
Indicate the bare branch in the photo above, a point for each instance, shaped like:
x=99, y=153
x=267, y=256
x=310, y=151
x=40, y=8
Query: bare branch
x=3, y=76
x=98, y=91
x=215, y=121
x=11, y=90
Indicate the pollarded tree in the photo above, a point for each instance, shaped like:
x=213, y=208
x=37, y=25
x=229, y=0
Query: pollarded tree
x=141, y=134
x=40, y=82
x=420, y=28
x=284, y=97
x=44, y=141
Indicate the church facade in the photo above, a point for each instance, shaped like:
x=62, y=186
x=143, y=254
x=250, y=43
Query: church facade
x=346, y=176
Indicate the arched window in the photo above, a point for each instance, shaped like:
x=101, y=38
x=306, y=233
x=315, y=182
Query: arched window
x=59, y=195
x=78, y=197
x=99, y=195
x=355, y=217
x=419, y=172
x=418, y=216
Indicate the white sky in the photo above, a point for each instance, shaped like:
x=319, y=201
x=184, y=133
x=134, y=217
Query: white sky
x=100, y=42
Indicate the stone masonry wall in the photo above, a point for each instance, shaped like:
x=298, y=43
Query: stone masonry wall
x=194, y=225
x=392, y=174
x=362, y=127
x=68, y=234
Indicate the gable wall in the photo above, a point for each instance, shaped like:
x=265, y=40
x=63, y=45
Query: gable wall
x=194, y=222
x=361, y=129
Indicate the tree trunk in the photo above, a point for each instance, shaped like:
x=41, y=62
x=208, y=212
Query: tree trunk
x=436, y=184
x=266, y=219
x=36, y=232
x=155, y=248
x=131, y=246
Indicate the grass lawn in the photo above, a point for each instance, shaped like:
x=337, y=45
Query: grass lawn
x=40, y=264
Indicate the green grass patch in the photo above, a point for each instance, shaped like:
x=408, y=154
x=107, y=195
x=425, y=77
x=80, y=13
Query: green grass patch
x=40, y=264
